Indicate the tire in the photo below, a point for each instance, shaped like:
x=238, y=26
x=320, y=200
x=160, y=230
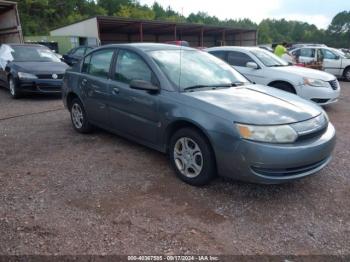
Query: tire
x=347, y=74
x=13, y=87
x=284, y=86
x=195, y=164
x=79, y=118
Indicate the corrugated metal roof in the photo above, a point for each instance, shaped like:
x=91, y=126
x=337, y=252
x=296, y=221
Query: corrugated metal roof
x=158, y=26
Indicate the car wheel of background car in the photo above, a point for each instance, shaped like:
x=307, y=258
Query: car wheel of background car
x=191, y=157
x=79, y=117
x=283, y=86
x=347, y=74
x=13, y=88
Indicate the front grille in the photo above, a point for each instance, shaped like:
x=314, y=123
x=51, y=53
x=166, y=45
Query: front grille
x=49, y=76
x=275, y=172
x=49, y=88
x=319, y=100
x=334, y=84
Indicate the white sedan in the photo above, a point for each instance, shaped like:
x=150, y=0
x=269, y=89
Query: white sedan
x=263, y=67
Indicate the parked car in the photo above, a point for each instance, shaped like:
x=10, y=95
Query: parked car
x=34, y=69
x=265, y=68
x=178, y=42
x=74, y=55
x=334, y=61
x=203, y=113
x=267, y=48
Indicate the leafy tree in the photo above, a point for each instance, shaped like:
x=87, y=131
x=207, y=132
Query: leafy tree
x=39, y=16
x=140, y=12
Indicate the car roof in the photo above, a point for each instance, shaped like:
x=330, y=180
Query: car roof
x=26, y=45
x=311, y=46
x=146, y=47
x=233, y=48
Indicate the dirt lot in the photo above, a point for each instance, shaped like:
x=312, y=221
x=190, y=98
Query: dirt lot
x=66, y=193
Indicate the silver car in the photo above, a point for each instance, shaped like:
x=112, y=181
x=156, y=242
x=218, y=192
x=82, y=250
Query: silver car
x=208, y=117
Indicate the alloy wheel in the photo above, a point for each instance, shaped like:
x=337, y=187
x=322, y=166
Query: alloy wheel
x=188, y=157
x=77, y=116
x=12, y=87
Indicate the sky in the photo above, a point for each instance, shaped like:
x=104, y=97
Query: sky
x=317, y=12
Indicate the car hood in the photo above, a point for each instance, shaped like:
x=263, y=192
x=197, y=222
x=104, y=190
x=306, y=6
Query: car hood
x=305, y=72
x=41, y=67
x=257, y=104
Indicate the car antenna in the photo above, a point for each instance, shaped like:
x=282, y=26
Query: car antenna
x=180, y=65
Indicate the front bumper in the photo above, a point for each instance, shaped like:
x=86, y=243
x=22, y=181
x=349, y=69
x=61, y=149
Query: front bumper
x=320, y=95
x=44, y=86
x=276, y=163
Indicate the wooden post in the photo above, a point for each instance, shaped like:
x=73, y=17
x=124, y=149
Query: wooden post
x=141, y=32
x=223, y=37
x=202, y=36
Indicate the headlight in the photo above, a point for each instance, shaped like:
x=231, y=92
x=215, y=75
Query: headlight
x=22, y=75
x=269, y=134
x=315, y=82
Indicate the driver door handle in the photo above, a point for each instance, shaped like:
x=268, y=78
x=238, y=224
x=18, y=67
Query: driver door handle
x=115, y=90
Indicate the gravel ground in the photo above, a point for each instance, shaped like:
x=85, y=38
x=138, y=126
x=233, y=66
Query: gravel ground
x=66, y=193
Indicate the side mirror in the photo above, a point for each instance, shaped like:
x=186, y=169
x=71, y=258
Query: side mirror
x=252, y=65
x=143, y=85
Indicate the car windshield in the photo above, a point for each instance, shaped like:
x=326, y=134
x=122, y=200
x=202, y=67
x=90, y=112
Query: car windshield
x=269, y=59
x=188, y=69
x=33, y=54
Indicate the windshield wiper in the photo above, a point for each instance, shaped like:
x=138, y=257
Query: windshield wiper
x=277, y=65
x=213, y=86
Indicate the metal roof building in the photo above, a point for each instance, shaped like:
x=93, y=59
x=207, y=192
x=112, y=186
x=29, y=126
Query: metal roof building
x=107, y=30
x=10, y=26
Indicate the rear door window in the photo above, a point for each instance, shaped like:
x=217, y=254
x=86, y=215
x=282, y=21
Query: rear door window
x=307, y=52
x=98, y=63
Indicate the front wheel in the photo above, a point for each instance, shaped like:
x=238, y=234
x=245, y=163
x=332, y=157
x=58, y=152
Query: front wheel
x=79, y=117
x=284, y=86
x=13, y=88
x=347, y=74
x=191, y=157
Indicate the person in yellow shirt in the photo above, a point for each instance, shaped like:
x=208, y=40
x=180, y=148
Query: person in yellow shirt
x=281, y=49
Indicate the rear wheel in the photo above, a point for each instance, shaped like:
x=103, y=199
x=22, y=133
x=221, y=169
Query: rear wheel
x=191, y=157
x=79, y=117
x=284, y=86
x=13, y=88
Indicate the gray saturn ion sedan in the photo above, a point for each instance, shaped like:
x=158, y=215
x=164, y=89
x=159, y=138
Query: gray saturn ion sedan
x=204, y=114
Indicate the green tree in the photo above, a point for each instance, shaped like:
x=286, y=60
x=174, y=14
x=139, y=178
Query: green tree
x=339, y=30
x=113, y=6
x=264, y=36
x=131, y=11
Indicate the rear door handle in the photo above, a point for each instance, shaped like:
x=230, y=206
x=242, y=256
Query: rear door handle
x=84, y=82
x=115, y=90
